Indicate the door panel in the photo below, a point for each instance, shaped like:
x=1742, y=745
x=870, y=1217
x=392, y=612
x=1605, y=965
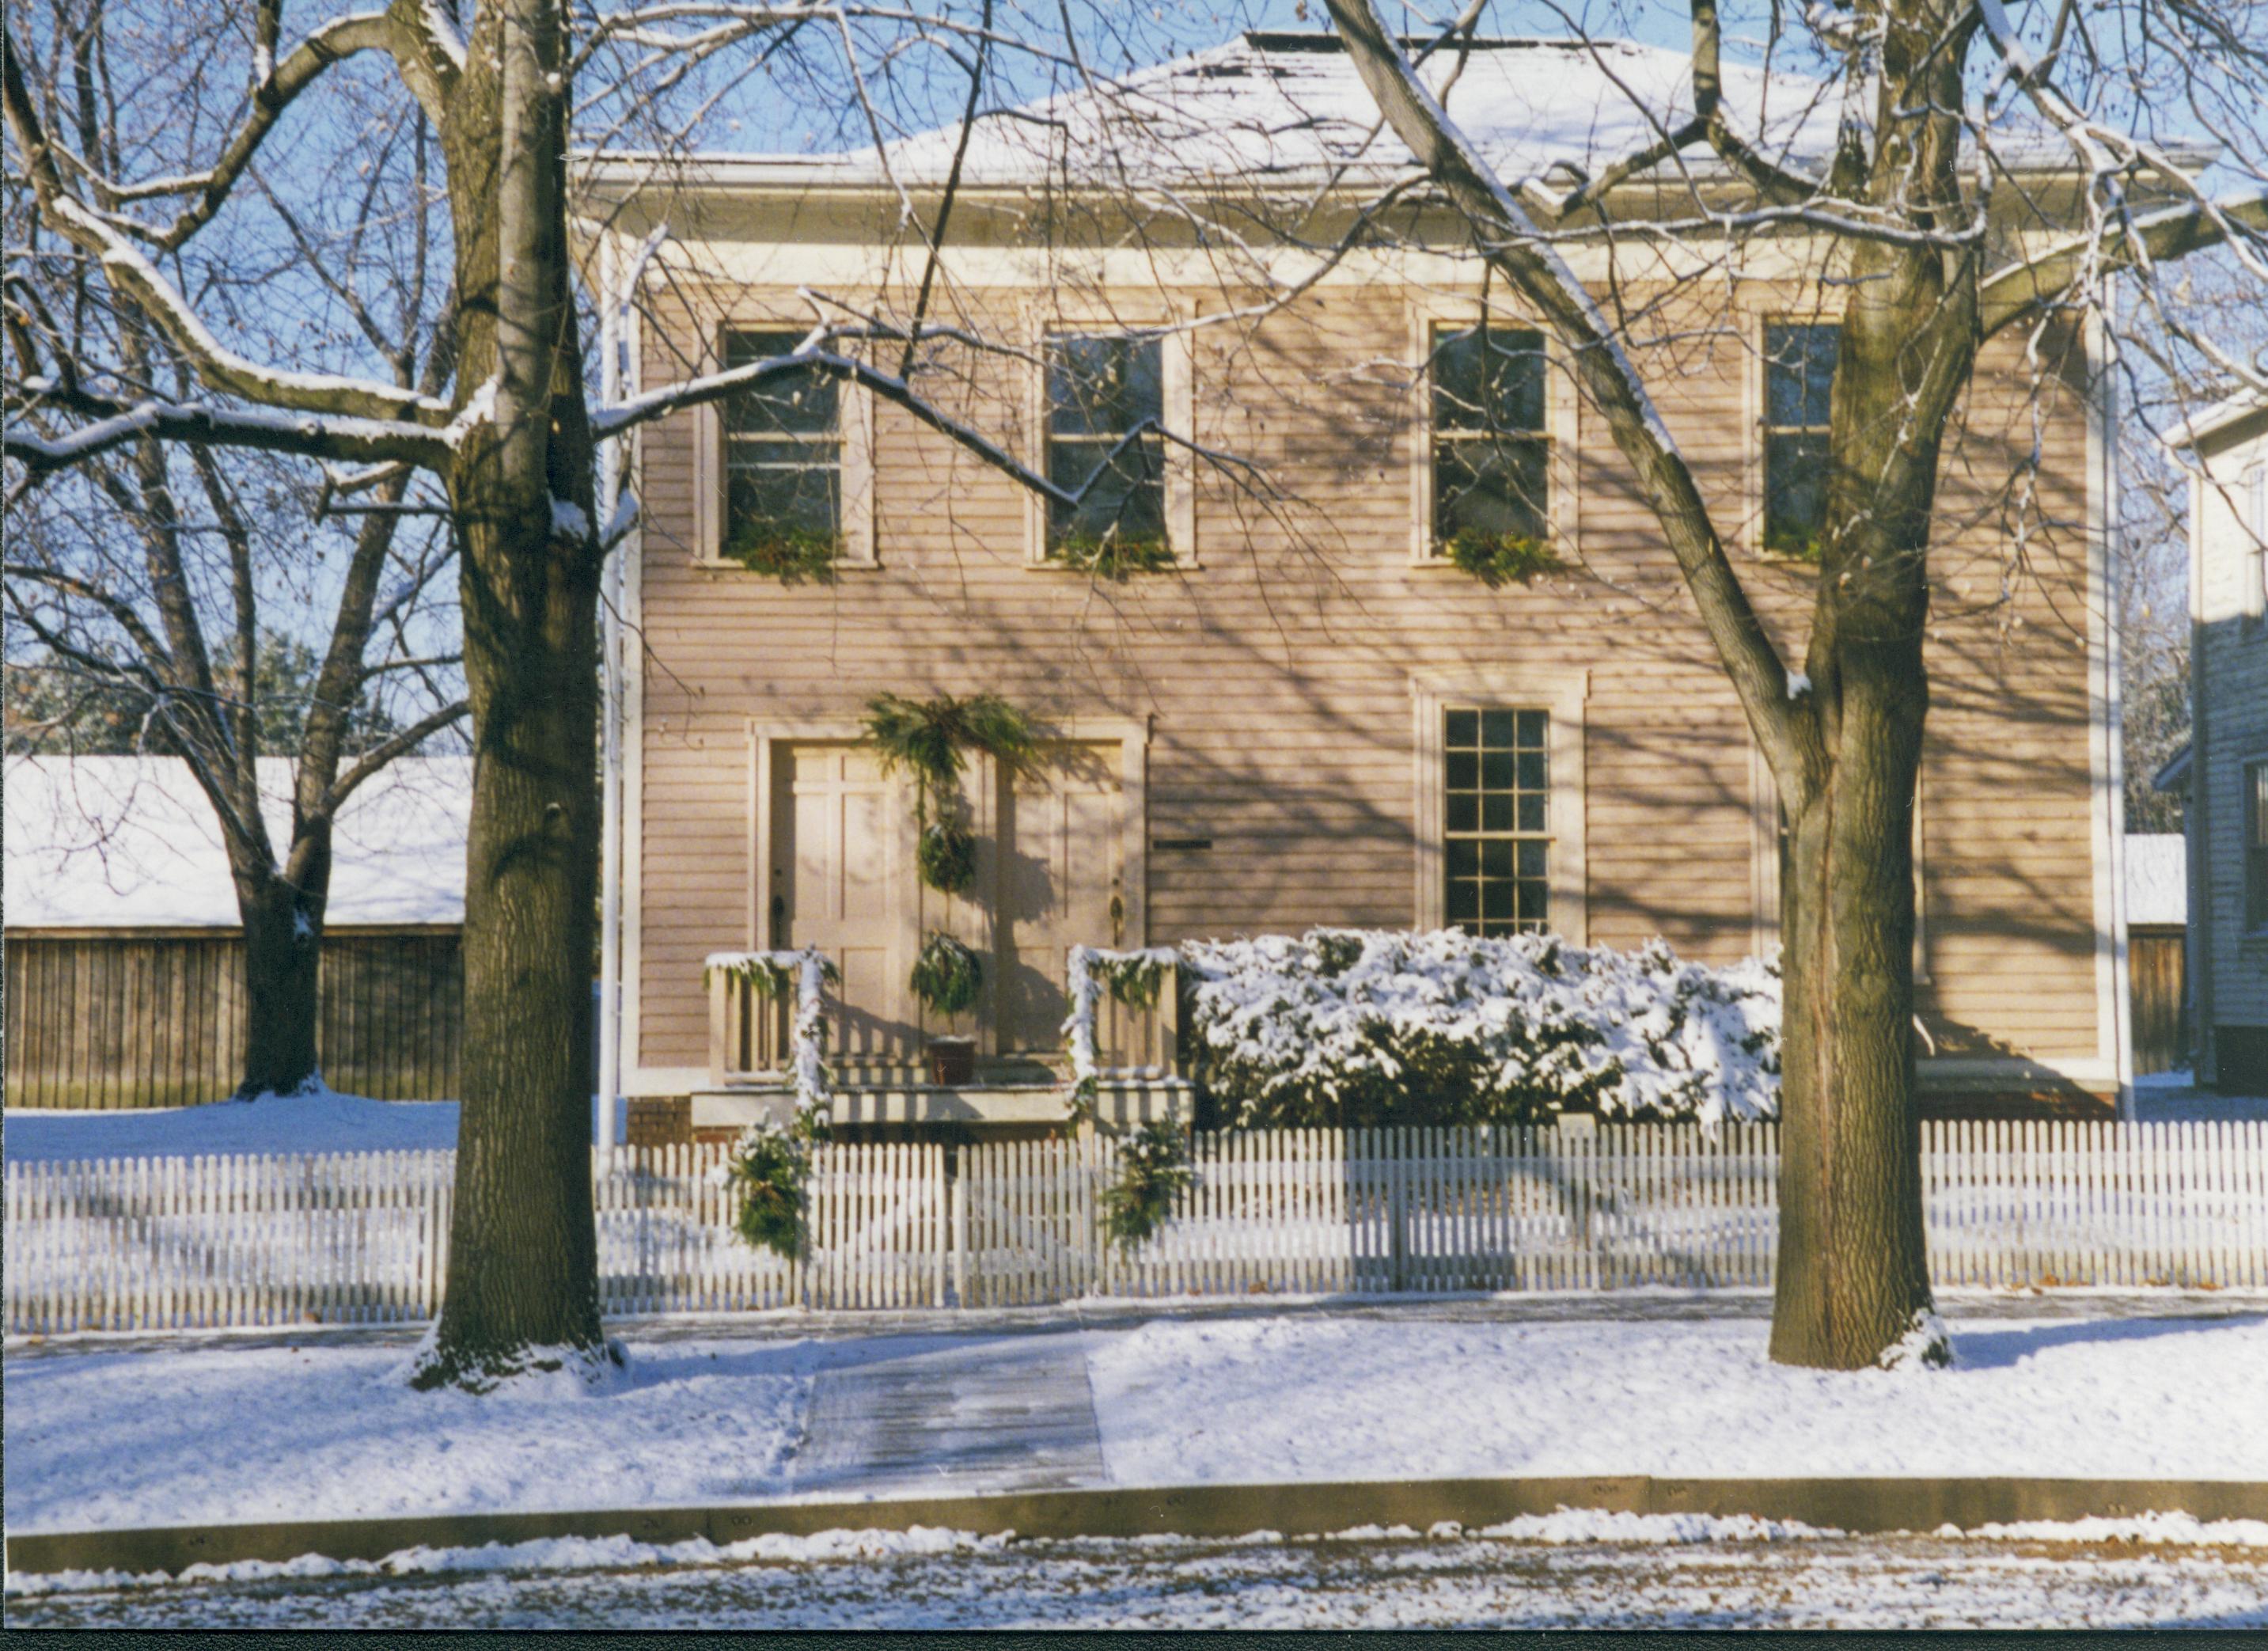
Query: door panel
x=1062, y=851
x=836, y=831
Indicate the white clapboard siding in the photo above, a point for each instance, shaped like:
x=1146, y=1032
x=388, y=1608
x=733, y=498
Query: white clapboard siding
x=124, y=1244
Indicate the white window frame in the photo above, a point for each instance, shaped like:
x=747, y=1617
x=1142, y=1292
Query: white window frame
x=2247, y=795
x=1560, y=693
x=1177, y=397
x=1756, y=392
x=1562, y=414
x=856, y=545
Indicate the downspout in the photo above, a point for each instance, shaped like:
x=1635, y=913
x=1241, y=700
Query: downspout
x=610, y=744
x=2122, y=1013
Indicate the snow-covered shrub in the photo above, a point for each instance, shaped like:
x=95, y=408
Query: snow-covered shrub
x=1364, y=1027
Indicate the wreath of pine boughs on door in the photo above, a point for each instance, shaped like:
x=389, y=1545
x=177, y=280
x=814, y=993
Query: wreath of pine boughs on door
x=932, y=739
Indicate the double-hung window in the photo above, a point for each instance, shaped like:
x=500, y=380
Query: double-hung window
x=1496, y=820
x=2255, y=549
x=782, y=463
x=1491, y=442
x=2256, y=844
x=1106, y=444
x=1799, y=397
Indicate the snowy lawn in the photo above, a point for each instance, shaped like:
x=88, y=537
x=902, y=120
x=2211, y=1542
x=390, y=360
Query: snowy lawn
x=232, y=1435
x=1287, y=1399
x=325, y=1122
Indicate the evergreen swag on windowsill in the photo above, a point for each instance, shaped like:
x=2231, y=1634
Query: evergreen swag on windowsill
x=932, y=739
x=790, y=554
x=1496, y=559
x=1108, y=557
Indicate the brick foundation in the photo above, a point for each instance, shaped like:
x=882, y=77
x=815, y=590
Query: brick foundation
x=660, y=1120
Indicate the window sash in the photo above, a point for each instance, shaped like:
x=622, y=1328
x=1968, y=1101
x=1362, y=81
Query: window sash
x=1489, y=453
x=783, y=441
x=1798, y=424
x=1497, y=841
x=1124, y=376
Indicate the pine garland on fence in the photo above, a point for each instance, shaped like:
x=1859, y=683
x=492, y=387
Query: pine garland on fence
x=771, y=1162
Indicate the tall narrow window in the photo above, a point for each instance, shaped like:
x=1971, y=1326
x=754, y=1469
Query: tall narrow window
x=1496, y=843
x=1799, y=396
x=782, y=463
x=1491, y=438
x=2256, y=844
x=1105, y=419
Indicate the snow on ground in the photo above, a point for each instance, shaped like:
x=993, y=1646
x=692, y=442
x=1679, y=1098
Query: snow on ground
x=322, y=1122
x=1289, y=1399
x=1408, y=1581
x=220, y=1435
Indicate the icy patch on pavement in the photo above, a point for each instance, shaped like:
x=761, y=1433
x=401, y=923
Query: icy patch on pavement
x=552, y=1553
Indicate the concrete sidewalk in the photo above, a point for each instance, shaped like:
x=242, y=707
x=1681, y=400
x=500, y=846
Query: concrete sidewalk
x=1632, y=1306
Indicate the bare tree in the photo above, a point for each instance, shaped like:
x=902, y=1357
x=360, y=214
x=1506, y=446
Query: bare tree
x=498, y=417
x=170, y=583
x=1940, y=239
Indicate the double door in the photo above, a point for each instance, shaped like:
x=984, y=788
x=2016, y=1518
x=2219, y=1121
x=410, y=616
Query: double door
x=1050, y=874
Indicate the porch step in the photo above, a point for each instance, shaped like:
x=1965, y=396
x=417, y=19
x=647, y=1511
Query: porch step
x=1130, y=1102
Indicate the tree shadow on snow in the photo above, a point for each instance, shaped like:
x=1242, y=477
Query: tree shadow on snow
x=1999, y=1349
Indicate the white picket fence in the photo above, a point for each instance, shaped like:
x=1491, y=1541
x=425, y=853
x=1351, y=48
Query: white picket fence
x=134, y=1244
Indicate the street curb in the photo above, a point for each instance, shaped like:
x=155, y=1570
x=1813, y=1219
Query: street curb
x=1201, y=1510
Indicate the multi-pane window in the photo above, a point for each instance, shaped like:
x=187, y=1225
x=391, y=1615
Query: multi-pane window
x=1496, y=846
x=1799, y=396
x=2256, y=844
x=1106, y=416
x=1491, y=439
x=783, y=458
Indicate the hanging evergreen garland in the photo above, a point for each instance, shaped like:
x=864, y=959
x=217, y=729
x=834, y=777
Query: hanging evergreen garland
x=948, y=976
x=932, y=739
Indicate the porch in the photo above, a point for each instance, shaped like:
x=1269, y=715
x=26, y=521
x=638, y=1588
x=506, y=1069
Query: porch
x=881, y=1075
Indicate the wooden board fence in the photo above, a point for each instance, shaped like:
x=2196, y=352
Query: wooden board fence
x=362, y=1238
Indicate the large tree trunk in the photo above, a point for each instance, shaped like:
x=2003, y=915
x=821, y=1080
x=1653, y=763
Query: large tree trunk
x=283, y=955
x=523, y=1264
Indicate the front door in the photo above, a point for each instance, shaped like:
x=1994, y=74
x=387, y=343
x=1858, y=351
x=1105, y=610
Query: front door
x=1062, y=856
x=837, y=825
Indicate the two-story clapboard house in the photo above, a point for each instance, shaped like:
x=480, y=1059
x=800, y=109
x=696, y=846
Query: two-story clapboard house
x=2223, y=772
x=1292, y=708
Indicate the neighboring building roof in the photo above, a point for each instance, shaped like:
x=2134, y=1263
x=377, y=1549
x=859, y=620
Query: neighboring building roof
x=127, y=842
x=2157, y=877
x=2217, y=419
x=2174, y=774
x=1280, y=107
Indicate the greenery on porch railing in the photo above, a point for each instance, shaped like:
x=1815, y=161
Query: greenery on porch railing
x=771, y=1162
x=932, y=739
x=1133, y=978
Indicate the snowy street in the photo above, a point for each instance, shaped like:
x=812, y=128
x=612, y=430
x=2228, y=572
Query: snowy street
x=1663, y=1573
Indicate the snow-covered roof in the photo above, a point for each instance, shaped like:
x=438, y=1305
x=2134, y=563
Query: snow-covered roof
x=2157, y=877
x=129, y=842
x=1281, y=106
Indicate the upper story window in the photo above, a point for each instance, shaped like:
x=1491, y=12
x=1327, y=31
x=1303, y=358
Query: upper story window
x=782, y=464
x=1492, y=443
x=1496, y=851
x=1799, y=396
x=1105, y=422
